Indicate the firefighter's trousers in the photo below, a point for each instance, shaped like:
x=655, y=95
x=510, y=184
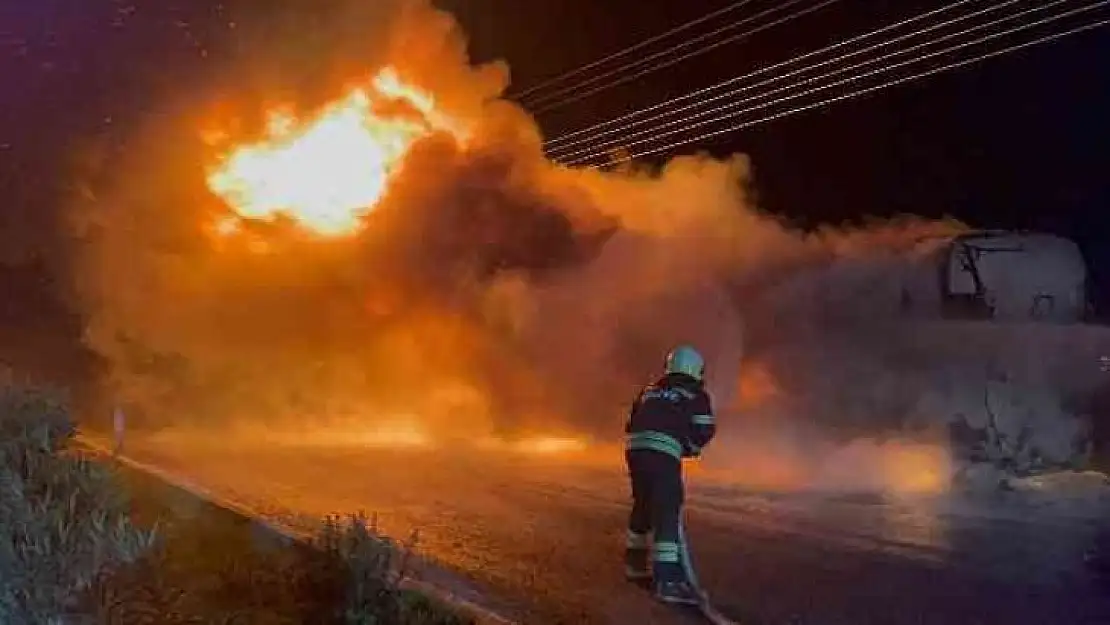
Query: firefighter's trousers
x=657, y=496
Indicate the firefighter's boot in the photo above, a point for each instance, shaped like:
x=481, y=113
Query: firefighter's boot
x=671, y=583
x=679, y=592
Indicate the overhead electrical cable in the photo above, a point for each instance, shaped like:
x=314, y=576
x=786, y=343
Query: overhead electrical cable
x=630, y=49
x=629, y=120
x=863, y=91
x=666, y=59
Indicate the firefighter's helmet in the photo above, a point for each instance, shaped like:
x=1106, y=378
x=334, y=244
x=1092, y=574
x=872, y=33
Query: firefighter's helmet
x=685, y=359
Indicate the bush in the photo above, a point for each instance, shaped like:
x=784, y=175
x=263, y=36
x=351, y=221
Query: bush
x=370, y=567
x=63, y=522
x=213, y=572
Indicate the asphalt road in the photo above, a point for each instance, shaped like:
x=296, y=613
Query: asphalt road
x=544, y=537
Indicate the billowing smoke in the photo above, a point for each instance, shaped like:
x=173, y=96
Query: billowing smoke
x=490, y=291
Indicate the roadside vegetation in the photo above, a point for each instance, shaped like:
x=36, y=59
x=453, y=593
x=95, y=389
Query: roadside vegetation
x=84, y=541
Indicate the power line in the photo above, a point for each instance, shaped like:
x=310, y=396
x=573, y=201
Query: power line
x=629, y=49
x=861, y=92
x=628, y=117
x=736, y=79
x=737, y=103
x=549, y=98
x=845, y=81
x=543, y=108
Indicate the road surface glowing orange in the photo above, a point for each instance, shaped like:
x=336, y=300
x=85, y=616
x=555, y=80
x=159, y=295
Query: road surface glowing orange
x=327, y=171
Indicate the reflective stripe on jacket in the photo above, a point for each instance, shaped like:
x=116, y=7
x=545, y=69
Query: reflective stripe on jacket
x=674, y=416
x=650, y=440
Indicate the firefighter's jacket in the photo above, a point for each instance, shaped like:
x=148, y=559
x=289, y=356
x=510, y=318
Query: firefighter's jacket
x=673, y=416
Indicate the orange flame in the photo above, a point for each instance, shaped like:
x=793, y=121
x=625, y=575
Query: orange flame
x=329, y=171
x=535, y=445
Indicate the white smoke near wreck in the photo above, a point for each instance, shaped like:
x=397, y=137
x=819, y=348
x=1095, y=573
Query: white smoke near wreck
x=489, y=292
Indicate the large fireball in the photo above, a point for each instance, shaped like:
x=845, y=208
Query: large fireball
x=328, y=171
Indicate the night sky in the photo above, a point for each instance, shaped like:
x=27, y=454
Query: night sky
x=1014, y=142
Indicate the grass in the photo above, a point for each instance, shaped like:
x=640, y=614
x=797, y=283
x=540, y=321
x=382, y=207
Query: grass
x=87, y=541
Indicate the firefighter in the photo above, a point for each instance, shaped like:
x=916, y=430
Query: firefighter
x=670, y=420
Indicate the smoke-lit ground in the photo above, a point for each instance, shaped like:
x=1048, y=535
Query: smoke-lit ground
x=425, y=275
